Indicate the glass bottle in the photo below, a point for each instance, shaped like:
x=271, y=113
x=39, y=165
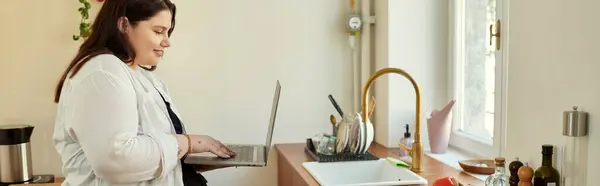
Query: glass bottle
x=546, y=175
x=406, y=140
x=499, y=178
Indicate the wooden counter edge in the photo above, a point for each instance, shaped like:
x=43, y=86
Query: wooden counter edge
x=289, y=169
x=57, y=182
x=292, y=155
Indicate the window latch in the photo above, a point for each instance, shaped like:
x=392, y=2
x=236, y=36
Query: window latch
x=496, y=34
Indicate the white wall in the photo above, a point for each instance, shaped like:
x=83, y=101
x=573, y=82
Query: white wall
x=36, y=47
x=220, y=48
x=553, y=66
x=413, y=36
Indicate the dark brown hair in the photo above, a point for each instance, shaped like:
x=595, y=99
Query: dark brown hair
x=106, y=38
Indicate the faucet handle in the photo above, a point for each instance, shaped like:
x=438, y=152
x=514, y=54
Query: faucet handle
x=408, y=149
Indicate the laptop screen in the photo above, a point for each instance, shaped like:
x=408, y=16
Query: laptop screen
x=273, y=115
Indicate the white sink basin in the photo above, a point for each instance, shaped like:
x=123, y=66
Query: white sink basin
x=354, y=173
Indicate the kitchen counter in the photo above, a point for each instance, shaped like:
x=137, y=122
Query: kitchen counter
x=57, y=182
x=290, y=172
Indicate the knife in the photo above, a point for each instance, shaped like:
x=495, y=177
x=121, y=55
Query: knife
x=337, y=107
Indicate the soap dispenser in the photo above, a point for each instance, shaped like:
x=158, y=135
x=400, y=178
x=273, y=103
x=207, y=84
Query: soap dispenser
x=406, y=140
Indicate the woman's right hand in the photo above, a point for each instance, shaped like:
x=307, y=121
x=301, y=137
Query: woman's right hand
x=205, y=143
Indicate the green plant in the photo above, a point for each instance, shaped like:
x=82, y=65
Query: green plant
x=84, y=26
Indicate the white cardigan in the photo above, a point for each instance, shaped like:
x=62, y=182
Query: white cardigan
x=113, y=128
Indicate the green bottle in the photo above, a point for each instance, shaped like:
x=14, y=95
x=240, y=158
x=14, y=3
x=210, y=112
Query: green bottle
x=546, y=175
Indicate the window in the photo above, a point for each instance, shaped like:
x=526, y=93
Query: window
x=477, y=75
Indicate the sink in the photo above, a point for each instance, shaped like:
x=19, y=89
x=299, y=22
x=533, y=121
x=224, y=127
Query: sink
x=354, y=173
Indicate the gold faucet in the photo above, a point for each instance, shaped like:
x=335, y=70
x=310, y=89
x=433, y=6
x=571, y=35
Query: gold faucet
x=416, y=152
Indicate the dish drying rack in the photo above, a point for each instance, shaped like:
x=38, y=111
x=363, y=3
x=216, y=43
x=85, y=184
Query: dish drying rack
x=337, y=157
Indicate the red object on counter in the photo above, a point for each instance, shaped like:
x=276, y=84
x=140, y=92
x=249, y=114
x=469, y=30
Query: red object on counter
x=446, y=181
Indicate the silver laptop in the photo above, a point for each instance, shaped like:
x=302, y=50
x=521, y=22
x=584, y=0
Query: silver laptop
x=247, y=155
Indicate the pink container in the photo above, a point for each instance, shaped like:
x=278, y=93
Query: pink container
x=439, y=127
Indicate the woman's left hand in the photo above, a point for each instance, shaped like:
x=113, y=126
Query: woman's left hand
x=204, y=168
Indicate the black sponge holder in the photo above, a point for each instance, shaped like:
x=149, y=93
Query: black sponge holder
x=338, y=157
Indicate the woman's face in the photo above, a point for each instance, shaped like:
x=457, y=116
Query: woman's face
x=150, y=38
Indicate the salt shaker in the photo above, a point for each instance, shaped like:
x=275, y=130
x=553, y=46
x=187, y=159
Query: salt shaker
x=525, y=174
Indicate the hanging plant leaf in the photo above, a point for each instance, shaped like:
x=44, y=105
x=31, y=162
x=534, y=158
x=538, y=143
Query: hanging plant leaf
x=84, y=26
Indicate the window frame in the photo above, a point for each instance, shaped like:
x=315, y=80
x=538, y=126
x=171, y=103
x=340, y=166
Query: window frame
x=459, y=140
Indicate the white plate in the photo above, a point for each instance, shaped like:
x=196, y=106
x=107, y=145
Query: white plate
x=370, y=133
x=341, y=140
x=361, y=133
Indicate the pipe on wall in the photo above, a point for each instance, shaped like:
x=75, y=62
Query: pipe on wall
x=361, y=55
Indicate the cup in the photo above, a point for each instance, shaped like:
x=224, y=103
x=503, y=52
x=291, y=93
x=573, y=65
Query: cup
x=326, y=144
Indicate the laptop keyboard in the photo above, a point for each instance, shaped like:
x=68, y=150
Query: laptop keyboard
x=244, y=153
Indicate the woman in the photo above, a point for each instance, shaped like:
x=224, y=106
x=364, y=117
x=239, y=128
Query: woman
x=116, y=124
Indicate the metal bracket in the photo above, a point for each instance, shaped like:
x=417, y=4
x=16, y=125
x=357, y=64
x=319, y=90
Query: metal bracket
x=370, y=20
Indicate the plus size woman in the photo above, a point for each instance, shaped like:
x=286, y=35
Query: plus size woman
x=116, y=122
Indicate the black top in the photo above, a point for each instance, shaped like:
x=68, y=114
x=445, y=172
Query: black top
x=190, y=176
x=547, y=149
x=15, y=134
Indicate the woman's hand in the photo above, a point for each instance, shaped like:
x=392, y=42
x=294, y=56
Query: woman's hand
x=204, y=143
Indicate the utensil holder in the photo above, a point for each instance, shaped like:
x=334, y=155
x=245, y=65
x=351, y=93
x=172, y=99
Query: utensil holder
x=334, y=130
